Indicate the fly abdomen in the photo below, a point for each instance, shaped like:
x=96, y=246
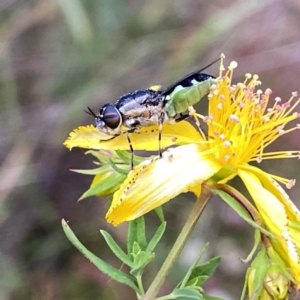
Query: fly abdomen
x=183, y=97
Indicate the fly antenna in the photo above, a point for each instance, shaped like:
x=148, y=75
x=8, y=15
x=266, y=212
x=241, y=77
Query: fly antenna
x=90, y=112
x=212, y=63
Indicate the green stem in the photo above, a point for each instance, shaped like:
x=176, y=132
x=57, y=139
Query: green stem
x=179, y=244
x=140, y=286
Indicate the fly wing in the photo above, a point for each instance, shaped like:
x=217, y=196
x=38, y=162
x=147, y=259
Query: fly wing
x=169, y=89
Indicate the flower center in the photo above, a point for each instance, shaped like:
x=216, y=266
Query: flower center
x=241, y=124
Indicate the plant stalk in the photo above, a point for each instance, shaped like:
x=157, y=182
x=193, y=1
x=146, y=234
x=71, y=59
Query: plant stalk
x=248, y=206
x=179, y=244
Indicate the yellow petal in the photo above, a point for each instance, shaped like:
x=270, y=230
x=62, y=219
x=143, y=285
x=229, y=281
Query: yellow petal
x=271, y=185
x=157, y=181
x=268, y=205
x=89, y=137
x=275, y=218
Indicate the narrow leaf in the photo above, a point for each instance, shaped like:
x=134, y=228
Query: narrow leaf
x=126, y=157
x=115, y=248
x=200, y=280
x=192, y=267
x=160, y=213
x=100, y=155
x=208, y=297
x=117, y=168
x=257, y=240
x=109, y=184
x=136, y=249
x=95, y=171
x=206, y=269
x=255, y=275
x=193, y=282
x=241, y=211
x=186, y=294
x=141, y=260
x=99, y=263
x=131, y=235
x=157, y=236
x=141, y=232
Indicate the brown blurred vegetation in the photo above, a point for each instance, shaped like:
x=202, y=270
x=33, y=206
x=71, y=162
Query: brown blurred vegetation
x=56, y=58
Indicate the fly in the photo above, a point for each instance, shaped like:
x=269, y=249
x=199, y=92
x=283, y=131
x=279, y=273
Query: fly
x=152, y=106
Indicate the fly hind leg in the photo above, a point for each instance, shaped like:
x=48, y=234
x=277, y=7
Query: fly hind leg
x=192, y=113
x=181, y=117
x=161, y=120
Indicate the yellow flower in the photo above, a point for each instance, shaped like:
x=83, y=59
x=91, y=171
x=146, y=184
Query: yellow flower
x=239, y=128
x=241, y=125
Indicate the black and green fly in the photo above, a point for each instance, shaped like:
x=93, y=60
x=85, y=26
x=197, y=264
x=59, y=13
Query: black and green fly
x=153, y=106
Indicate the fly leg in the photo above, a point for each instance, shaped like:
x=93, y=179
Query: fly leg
x=181, y=117
x=131, y=148
x=161, y=119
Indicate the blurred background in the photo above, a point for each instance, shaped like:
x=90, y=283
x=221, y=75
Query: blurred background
x=56, y=58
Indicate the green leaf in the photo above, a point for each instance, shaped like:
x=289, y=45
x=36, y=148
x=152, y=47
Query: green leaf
x=126, y=157
x=186, y=294
x=257, y=240
x=206, y=269
x=157, y=236
x=141, y=232
x=140, y=261
x=160, y=213
x=194, y=282
x=108, y=185
x=197, y=281
x=187, y=276
x=119, y=168
x=99, y=263
x=241, y=211
x=256, y=274
x=115, y=248
x=95, y=171
x=100, y=155
x=208, y=297
x=131, y=235
x=136, y=249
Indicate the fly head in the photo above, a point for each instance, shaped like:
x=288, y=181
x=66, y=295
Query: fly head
x=108, y=120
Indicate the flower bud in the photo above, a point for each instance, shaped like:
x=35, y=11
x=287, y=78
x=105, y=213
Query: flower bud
x=276, y=283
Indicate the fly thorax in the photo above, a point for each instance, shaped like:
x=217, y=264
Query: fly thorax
x=140, y=108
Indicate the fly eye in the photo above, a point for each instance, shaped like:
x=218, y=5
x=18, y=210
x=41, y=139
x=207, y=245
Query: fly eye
x=110, y=116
